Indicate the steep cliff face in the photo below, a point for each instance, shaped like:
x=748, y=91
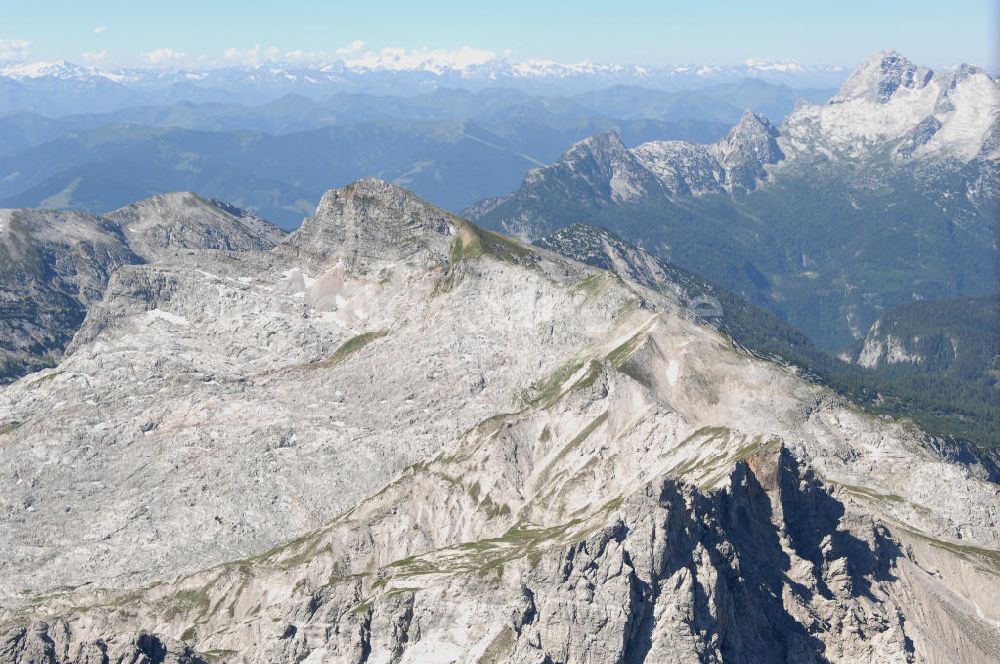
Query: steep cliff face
x=460, y=448
x=52, y=266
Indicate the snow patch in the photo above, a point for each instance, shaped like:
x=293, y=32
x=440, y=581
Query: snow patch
x=173, y=319
x=673, y=370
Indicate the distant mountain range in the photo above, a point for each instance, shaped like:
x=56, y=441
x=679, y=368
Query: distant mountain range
x=23, y=127
x=884, y=194
x=67, y=86
x=452, y=146
x=452, y=162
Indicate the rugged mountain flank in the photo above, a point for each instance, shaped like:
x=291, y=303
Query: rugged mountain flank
x=736, y=162
x=932, y=361
x=178, y=221
x=399, y=437
x=54, y=265
x=885, y=194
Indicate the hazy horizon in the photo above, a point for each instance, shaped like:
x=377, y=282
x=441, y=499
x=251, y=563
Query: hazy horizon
x=108, y=33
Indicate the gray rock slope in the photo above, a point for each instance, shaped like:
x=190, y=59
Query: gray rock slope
x=396, y=437
x=54, y=265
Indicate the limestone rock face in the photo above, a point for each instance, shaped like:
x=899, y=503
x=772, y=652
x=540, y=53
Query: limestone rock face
x=373, y=219
x=880, y=76
x=55, y=265
x=182, y=220
x=396, y=437
x=747, y=149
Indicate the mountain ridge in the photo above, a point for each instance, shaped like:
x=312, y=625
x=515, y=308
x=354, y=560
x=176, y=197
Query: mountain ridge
x=55, y=265
x=844, y=184
x=491, y=451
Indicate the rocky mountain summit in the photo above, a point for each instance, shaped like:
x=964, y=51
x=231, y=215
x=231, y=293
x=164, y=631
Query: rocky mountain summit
x=884, y=194
x=889, y=102
x=54, y=265
x=398, y=437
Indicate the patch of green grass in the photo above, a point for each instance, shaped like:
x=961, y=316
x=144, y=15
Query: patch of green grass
x=864, y=492
x=273, y=552
x=473, y=242
x=499, y=649
x=362, y=607
x=185, y=602
x=219, y=653
x=546, y=434
x=466, y=246
x=628, y=306
x=989, y=556
x=685, y=467
x=755, y=447
x=613, y=504
x=483, y=556
x=589, y=378
x=618, y=356
x=188, y=634
x=550, y=390
x=504, y=248
x=583, y=435
x=547, y=392
x=44, y=379
x=638, y=373
x=10, y=427
x=493, y=510
x=591, y=285
x=350, y=347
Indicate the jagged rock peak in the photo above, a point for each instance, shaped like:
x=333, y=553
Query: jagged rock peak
x=752, y=123
x=880, y=75
x=372, y=219
x=746, y=148
x=754, y=135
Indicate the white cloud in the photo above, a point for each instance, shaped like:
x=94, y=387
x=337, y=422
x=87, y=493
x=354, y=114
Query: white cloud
x=259, y=55
x=14, y=49
x=299, y=56
x=763, y=64
x=354, y=48
x=165, y=57
x=251, y=57
x=436, y=60
x=95, y=59
x=101, y=28
x=354, y=55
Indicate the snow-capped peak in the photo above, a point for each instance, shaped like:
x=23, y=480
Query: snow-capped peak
x=880, y=76
x=760, y=64
x=889, y=102
x=58, y=69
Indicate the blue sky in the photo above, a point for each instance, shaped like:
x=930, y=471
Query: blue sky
x=638, y=31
